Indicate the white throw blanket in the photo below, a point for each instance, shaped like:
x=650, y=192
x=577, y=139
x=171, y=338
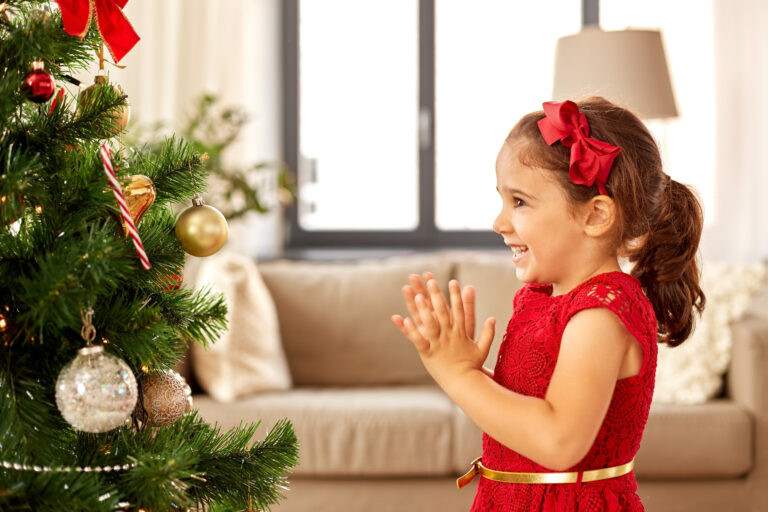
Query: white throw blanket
x=693, y=372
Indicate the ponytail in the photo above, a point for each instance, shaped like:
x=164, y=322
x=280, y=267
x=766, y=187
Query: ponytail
x=666, y=263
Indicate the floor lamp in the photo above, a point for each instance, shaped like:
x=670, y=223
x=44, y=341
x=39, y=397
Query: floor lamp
x=628, y=67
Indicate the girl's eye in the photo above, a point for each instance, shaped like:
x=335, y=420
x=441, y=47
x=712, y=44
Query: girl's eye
x=518, y=202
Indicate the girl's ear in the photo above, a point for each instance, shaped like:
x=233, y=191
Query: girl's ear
x=599, y=216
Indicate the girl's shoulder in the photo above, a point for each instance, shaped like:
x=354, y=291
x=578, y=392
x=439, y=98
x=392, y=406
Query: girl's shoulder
x=618, y=292
x=611, y=288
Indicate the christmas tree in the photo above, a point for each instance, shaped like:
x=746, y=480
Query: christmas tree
x=92, y=315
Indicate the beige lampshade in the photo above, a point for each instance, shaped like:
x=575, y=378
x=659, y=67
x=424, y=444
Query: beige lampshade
x=628, y=67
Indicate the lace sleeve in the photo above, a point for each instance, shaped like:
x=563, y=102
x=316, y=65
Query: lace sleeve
x=620, y=296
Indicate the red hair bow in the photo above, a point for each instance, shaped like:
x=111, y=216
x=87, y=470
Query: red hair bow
x=114, y=27
x=591, y=159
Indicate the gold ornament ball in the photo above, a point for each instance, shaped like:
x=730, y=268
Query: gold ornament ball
x=40, y=16
x=165, y=396
x=120, y=116
x=202, y=230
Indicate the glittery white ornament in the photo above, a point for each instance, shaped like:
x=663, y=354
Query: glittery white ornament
x=96, y=391
x=166, y=396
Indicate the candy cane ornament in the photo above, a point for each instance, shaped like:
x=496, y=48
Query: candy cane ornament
x=106, y=159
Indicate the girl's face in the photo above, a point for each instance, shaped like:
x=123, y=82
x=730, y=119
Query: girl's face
x=547, y=242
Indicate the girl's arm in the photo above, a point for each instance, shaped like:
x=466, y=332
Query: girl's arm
x=556, y=431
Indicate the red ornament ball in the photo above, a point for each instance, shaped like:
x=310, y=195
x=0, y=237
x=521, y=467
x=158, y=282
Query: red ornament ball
x=173, y=281
x=38, y=85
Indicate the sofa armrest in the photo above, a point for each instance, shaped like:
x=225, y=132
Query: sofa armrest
x=748, y=386
x=747, y=378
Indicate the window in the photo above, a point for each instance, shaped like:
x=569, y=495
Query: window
x=395, y=110
x=359, y=105
x=494, y=63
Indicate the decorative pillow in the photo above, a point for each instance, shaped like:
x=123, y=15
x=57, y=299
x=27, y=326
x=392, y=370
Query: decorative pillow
x=249, y=356
x=693, y=372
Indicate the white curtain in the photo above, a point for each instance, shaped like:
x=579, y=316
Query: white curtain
x=739, y=232
x=230, y=48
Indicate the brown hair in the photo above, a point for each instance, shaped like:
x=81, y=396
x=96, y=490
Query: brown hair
x=659, y=220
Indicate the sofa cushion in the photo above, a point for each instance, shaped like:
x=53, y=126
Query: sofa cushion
x=711, y=440
x=335, y=319
x=467, y=441
x=396, y=431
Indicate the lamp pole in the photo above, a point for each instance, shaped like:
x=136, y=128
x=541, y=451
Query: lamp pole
x=590, y=12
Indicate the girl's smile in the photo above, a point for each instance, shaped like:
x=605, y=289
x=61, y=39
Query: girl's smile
x=518, y=252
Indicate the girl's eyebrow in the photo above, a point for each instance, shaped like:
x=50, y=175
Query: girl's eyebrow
x=515, y=191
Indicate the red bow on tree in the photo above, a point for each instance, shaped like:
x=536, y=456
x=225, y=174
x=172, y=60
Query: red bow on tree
x=591, y=159
x=114, y=27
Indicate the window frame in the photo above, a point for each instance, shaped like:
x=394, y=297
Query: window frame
x=427, y=234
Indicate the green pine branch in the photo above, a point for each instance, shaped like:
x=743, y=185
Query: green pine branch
x=191, y=462
x=175, y=168
x=54, y=492
x=30, y=426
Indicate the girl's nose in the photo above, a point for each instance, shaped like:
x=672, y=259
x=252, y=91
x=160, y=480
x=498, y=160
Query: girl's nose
x=501, y=224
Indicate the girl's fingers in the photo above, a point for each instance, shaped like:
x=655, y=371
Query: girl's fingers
x=468, y=300
x=457, y=307
x=411, y=332
x=438, y=303
x=419, y=287
x=486, y=336
x=399, y=323
x=430, y=328
x=410, y=302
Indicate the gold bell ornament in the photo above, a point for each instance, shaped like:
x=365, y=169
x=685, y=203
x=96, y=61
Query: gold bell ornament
x=121, y=115
x=201, y=229
x=139, y=195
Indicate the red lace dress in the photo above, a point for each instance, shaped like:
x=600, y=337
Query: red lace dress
x=527, y=358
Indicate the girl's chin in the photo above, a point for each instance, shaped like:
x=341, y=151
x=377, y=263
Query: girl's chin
x=524, y=276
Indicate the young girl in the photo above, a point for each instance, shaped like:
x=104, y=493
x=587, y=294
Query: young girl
x=564, y=410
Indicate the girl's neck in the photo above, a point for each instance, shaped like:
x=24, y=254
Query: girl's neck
x=587, y=272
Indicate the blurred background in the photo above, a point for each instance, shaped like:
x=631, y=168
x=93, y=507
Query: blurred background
x=389, y=115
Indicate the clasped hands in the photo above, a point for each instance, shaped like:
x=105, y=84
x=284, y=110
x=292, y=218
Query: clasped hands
x=443, y=334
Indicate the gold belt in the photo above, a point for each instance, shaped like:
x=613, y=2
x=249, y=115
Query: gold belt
x=569, y=477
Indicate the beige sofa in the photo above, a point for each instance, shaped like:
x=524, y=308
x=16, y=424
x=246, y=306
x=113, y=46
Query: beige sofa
x=376, y=435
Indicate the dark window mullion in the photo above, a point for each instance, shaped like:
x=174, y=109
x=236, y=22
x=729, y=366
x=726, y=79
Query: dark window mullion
x=427, y=120
x=290, y=71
